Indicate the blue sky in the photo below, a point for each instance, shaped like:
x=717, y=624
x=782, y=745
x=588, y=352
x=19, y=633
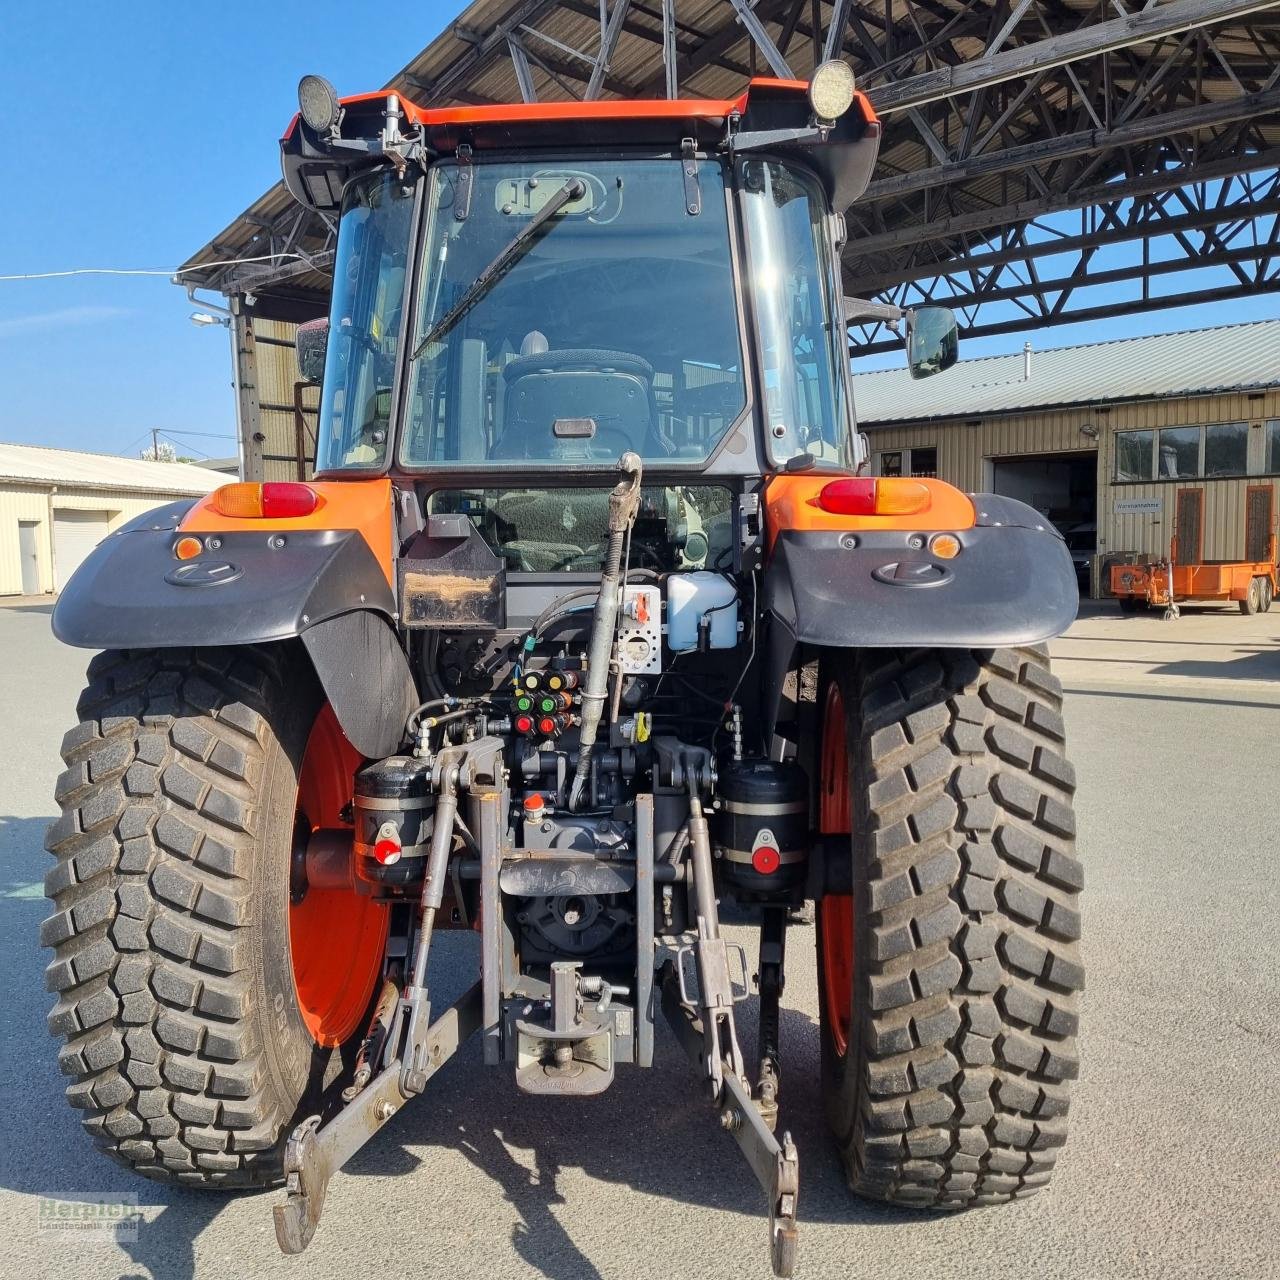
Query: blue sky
x=134, y=133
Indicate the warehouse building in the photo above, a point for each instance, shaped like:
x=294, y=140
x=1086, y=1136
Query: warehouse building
x=57, y=505
x=1125, y=446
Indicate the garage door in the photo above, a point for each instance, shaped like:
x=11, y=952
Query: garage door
x=75, y=534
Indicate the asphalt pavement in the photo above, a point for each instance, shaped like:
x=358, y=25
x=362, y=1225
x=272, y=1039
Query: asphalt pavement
x=1170, y=1169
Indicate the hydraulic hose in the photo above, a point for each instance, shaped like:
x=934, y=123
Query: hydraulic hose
x=624, y=502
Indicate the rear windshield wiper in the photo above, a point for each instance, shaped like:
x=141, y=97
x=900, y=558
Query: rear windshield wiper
x=503, y=261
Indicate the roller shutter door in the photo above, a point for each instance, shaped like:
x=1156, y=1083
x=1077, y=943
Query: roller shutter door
x=75, y=534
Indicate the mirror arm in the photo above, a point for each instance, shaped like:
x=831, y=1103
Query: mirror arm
x=865, y=309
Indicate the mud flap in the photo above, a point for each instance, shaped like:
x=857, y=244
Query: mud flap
x=366, y=677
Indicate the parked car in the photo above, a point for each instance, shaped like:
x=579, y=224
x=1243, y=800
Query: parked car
x=1082, y=542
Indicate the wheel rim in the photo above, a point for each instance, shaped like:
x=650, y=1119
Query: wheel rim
x=336, y=936
x=835, y=911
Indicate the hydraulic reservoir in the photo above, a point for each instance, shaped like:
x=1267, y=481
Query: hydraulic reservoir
x=394, y=812
x=691, y=597
x=762, y=828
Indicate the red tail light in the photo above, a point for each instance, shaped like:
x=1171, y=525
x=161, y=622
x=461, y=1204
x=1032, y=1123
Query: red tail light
x=872, y=496
x=284, y=498
x=275, y=500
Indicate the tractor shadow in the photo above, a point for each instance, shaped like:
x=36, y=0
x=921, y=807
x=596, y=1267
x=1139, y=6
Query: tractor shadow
x=651, y=1132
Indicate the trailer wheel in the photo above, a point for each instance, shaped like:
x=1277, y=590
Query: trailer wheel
x=1252, y=602
x=200, y=1010
x=950, y=978
x=1132, y=604
x=1268, y=595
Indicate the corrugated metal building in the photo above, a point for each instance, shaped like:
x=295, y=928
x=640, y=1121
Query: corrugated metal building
x=1121, y=443
x=57, y=505
x=287, y=405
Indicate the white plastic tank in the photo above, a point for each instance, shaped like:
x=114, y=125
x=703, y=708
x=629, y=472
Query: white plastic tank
x=690, y=596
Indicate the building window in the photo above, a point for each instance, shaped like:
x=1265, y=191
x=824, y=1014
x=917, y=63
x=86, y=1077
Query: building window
x=1273, y=446
x=1133, y=455
x=909, y=462
x=1178, y=453
x=1226, y=449
x=1185, y=453
x=924, y=462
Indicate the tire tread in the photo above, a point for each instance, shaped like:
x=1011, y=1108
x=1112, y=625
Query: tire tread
x=150, y=884
x=971, y=951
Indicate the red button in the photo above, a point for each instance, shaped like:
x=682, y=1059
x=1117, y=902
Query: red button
x=534, y=805
x=765, y=860
x=547, y=725
x=523, y=724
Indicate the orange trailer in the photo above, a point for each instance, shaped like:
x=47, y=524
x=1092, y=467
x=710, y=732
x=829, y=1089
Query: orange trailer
x=1253, y=584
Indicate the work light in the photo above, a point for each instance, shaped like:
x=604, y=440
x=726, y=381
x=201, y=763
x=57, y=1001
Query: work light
x=318, y=102
x=831, y=89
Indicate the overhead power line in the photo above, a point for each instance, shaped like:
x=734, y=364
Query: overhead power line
x=169, y=272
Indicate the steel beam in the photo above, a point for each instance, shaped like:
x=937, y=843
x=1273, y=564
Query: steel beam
x=248, y=410
x=608, y=42
x=1143, y=27
x=1137, y=306
x=669, y=64
x=763, y=41
x=1042, y=151
x=520, y=62
x=948, y=230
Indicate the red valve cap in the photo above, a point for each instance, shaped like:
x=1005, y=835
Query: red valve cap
x=387, y=851
x=765, y=860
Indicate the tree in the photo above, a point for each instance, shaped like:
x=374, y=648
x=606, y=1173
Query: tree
x=161, y=451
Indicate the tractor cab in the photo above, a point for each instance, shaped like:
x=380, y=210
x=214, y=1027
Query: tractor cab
x=542, y=289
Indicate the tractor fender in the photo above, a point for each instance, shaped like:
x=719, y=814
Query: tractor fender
x=1012, y=583
x=324, y=586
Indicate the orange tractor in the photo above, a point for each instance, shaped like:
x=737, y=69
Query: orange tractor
x=590, y=620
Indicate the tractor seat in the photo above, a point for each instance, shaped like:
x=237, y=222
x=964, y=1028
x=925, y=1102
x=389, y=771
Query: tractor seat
x=612, y=388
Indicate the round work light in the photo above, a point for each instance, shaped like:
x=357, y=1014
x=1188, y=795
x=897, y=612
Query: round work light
x=831, y=89
x=318, y=102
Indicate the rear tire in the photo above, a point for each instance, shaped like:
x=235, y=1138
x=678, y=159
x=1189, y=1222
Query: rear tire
x=184, y=1038
x=1252, y=601
x=948, y=1036
x=1132, y=604
x=1267, y=595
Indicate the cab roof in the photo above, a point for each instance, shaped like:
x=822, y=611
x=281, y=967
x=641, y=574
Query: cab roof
x=601, y=113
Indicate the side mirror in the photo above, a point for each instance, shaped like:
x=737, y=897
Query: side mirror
x=310, y=343
x=933, y=342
